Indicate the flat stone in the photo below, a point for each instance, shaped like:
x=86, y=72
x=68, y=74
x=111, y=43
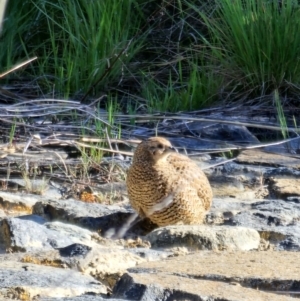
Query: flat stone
x=265, y=158
x=24, y=281
x=159, y=286
x=281, y=172
x=22, y=235
x=194, y=144
x=285, y=187
x=119, y=187
x=233, y=169
x=17, y=203
x=238, y=180
x=21, y=203
x=223, y=186
x=151, y=254
x=34, y=218
x=232, y=204
x=211, y=131
x=280, y=266
x=74, y=233
x=214, y=276
x=26, y=235
x=107, y=264
x=276, y=220
x=221, y=132
x=280, y=237
x=74, y=250
x=91, y=216
x=287, y=148
x=35, y=187
x=205, y=237
x=273, y=213
x=80, y=298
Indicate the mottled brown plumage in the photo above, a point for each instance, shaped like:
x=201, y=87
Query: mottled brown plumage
x=167, y=187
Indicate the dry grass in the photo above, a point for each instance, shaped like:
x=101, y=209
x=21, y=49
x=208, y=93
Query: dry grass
x=82, y=145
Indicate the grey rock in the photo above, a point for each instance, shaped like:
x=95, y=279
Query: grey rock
x=214, y=276
x=190, y=145
x=38, y=184
x=34, y=218
x=234, y=221
x=112, y=187
x=74, y=250
x=238, y=181
x=213, y=135
x=151, y=254
x=107, y=261
x=91, y=216
x=81, y=298
x=17, y=203
x=75, y=233
x=283, y=187
x=281, y=171
x=281, y=237
x=247, y=180
x=229, y=187
x=204, y=237
x=232, y=204
x=264, y=158
x=276, y=220
x=149, y=286
x=26, y=279
x=129, y=289
x=222, y=132
x=24, y=235
x=294, y=199
x=287, y=148
x=232, y=168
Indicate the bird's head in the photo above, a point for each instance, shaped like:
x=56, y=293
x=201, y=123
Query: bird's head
x=154, y=149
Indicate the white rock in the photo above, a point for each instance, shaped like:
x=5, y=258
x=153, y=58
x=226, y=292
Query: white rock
x=205, y=237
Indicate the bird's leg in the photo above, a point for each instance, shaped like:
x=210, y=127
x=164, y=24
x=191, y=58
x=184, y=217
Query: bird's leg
x=132, y=220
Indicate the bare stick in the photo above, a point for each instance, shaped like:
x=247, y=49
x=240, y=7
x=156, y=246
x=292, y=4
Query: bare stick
x=17, y=66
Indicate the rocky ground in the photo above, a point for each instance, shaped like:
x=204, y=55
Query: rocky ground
x=248, y=249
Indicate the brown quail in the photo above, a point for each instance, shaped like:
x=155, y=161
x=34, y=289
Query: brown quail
x=167, y=187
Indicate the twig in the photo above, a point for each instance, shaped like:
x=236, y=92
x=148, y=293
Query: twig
x=184, y=117
x=103, y=148
x=18, y=67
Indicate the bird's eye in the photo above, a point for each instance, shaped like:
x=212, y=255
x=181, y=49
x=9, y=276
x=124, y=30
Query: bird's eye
x=160, y=146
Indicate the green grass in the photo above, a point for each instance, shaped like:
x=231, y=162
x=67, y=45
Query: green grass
x=75, y=41
x=193, y=88
x=12, y=132
x=100, y=126
x=77, y=44
x=168, y=56
x=14, y=28
x=256, y=43
x=280, y=115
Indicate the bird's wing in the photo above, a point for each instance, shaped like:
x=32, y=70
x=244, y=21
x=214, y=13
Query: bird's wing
x=191, y=179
